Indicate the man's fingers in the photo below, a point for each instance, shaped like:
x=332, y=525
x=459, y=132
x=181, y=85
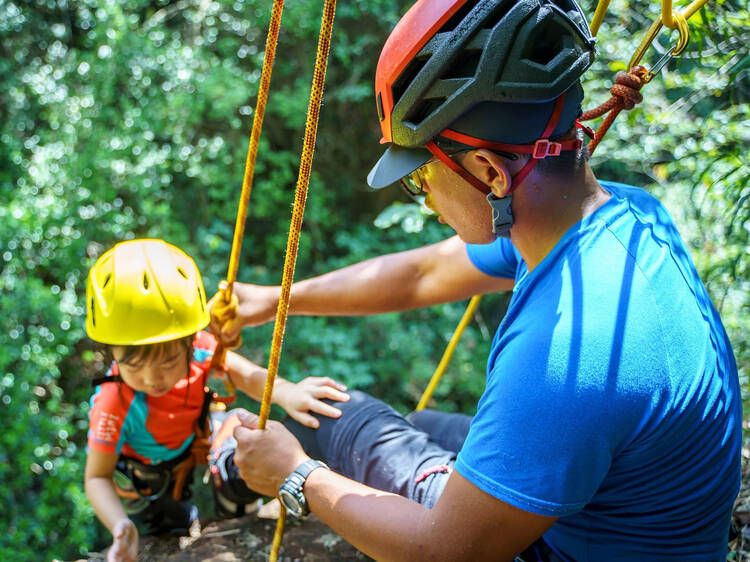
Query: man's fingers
x=248, y=419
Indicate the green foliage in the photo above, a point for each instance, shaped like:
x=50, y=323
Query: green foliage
x=131, y=118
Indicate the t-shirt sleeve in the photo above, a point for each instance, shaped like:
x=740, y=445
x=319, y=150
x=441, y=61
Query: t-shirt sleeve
x=499, y=259
x=106, y=419
x=532, y=444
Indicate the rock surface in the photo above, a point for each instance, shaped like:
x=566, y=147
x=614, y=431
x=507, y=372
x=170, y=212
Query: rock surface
x=247, y=538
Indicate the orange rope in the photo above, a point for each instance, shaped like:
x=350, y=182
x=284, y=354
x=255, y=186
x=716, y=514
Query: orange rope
x=295, y=227
x=217, y=361
x=625, y=95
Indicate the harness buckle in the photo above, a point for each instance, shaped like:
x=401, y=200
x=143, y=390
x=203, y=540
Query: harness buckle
x=544, y=148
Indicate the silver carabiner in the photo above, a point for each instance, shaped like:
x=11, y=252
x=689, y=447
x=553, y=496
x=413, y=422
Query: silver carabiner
x=661, y=63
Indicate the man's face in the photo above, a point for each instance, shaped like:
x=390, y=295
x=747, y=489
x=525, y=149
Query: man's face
x=456, y=202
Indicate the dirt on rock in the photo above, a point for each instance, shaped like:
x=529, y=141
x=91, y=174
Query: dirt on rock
x=247, y=538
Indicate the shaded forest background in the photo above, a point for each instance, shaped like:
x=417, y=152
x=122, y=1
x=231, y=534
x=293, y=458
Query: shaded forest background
x=130, y=118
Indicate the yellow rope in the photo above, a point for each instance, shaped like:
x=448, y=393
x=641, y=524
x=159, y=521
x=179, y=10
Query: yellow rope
x=596, y=21
x=448, y=353
x=295, y=227
x=247, y=181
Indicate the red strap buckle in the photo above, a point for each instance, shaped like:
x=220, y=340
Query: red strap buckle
x=544, y=148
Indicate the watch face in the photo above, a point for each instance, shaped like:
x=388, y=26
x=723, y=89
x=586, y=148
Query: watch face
x=290, y=503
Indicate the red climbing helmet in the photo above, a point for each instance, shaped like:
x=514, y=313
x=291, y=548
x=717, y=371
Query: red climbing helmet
x=486, y=69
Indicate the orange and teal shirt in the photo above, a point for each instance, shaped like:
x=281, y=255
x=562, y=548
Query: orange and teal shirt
x=151, y=429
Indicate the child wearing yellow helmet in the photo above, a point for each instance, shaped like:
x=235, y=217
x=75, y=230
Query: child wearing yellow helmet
x=145, y=301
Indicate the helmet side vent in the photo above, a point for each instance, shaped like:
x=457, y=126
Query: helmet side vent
x=465, y=65
x=405, y=78
x=182, y=273
x=458, y=17
x=145, y=282
x=107, y=280
x=201, y=299
x=547, y=44
x=93, y=312
x=423, y=111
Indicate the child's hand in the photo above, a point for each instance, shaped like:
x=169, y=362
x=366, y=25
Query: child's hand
x=125, y=542
x=306, y=396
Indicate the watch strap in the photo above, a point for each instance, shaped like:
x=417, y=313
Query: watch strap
x=308, y=466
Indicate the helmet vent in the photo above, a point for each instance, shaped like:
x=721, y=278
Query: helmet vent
x=200, y=298
x=93, y=315
x=182, y=272
x=465, y=65
x=145, y=281
x=424, y=110
x=546, y=45
x=458, y=17
x=106, y=280
x=406, y=77
x=500, y=11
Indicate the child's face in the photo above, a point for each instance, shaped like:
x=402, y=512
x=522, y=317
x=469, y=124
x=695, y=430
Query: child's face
x=158, y=373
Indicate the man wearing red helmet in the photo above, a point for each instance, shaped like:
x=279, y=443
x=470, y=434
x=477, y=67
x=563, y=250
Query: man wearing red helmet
x=609, y=427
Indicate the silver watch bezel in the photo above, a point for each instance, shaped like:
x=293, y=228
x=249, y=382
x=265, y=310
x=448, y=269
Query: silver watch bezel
x=291, y=489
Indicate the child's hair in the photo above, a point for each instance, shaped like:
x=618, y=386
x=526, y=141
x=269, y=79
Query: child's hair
x=138, y=354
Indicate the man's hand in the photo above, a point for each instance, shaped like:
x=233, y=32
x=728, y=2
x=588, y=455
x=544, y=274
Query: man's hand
x=265, y=457
x=125, y=542
x=251, y=305
x=306, y=396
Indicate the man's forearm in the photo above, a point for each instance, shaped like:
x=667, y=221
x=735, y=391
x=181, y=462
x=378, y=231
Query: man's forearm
x=408, y=280
x=380, y=285
x=382, y=525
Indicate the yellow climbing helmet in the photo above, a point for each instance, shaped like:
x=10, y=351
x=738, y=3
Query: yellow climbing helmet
x=143, y=292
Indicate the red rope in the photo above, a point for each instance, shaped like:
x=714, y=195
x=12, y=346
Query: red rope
x=625, y=95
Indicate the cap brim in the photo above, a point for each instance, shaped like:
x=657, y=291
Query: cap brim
x=395, y=163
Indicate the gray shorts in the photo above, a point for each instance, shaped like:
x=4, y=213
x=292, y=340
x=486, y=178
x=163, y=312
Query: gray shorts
x=373, y=444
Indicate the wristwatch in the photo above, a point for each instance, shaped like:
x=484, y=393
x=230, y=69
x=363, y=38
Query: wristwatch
x=290, y=492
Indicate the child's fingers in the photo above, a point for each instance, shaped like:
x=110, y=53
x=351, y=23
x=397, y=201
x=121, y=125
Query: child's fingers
x=331, y=393
x=326, y=381
x=325, y=409
x=305, y=419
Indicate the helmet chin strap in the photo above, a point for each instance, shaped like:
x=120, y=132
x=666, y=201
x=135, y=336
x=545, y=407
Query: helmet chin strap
x=502, y=215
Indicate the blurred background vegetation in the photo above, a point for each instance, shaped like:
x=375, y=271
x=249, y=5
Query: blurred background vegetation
x=130, y=118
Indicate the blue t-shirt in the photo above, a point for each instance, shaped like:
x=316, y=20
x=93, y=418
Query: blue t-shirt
x=612, y=398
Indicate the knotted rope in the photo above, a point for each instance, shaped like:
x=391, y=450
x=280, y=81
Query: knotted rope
x=625, y=95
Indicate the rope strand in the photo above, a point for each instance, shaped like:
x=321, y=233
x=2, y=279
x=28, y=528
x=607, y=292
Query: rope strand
x=625, y=95
x=217, y=361
x=295, y=227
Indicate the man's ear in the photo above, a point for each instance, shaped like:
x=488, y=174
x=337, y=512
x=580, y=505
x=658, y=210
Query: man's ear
x=491, y=168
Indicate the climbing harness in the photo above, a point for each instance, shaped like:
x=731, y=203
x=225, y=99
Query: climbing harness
x=131, y=471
